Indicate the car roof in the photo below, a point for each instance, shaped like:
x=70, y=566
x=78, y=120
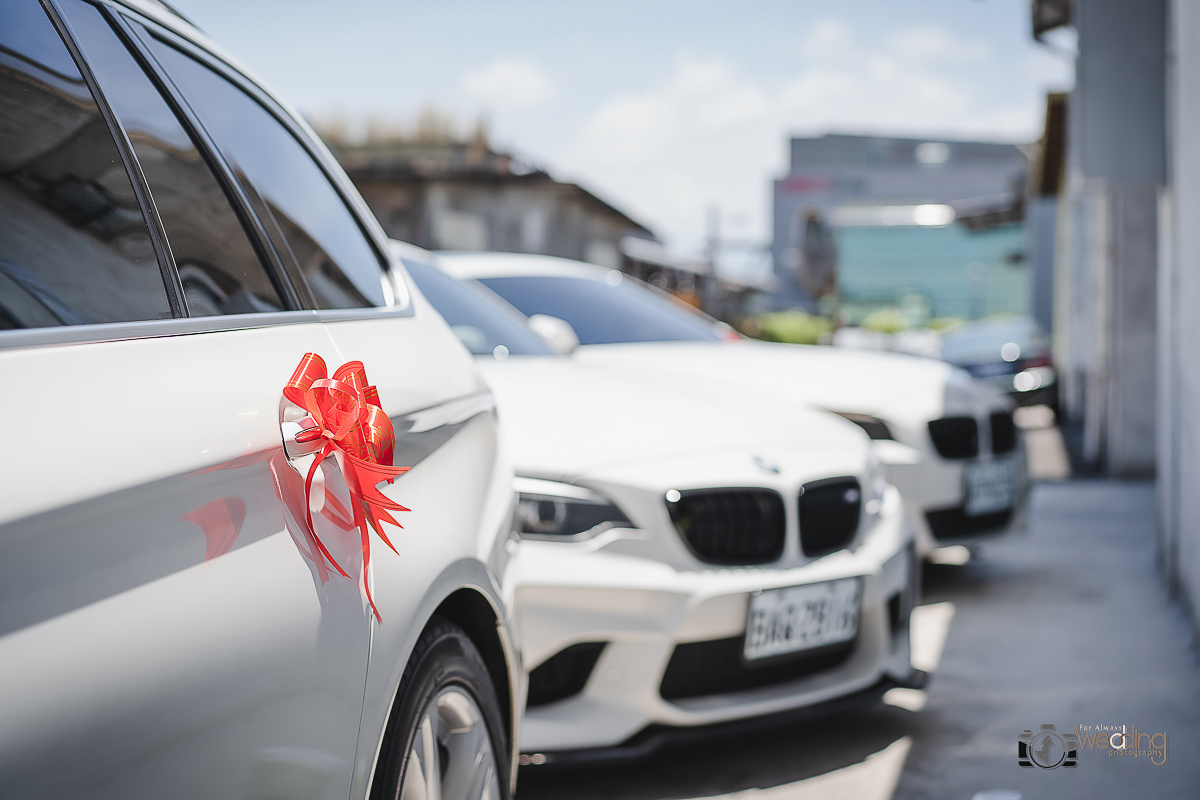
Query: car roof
x=509, y=265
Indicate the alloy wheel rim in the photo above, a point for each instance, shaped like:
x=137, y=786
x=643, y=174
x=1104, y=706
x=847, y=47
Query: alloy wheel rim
x=451, y=757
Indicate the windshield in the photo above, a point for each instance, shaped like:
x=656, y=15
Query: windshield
x=604, y=312
x=480, y=324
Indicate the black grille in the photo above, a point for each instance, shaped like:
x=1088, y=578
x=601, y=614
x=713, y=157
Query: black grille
x=954, y=523
x=1004, y=432
x=698, y=669
x=564, y=674
x=955, y=437
x=829, y=511
x=730, y=526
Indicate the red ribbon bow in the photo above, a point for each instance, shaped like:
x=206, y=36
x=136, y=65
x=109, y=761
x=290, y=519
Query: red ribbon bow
x=359, y=435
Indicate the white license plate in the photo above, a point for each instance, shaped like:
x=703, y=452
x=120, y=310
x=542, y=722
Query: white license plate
x=798, y=618
x=991, y=486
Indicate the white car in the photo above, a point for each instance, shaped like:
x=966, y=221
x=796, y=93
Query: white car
x=948, y=441
x=180, y=616
x=687, y=558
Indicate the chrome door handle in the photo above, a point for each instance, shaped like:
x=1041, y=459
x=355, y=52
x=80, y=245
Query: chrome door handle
x=301, y=437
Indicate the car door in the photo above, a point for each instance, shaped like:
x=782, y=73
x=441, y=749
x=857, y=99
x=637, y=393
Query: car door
x=166, y=628
x=427, y=382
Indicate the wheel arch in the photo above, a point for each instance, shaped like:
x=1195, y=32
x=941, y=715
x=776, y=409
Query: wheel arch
x=471, y=610
x=466, y=594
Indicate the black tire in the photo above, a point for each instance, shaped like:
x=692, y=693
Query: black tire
x=445, y=666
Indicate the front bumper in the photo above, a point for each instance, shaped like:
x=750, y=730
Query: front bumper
x=653, y=737
x=643, y=611
x=935, y=495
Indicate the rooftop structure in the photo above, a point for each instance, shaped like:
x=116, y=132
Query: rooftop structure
x=445, y=193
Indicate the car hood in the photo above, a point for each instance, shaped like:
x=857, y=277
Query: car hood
x=891, y=386
x=563, y=419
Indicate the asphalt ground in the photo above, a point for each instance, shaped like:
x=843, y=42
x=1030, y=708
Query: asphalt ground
x=1068, y=624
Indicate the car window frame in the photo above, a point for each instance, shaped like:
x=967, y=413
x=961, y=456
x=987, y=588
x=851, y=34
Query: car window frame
x=133, y=170
x=250, y=224
x=293, y=287
x=305, y=137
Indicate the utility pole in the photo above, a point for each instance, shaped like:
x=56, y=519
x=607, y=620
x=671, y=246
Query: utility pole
x=711, y=252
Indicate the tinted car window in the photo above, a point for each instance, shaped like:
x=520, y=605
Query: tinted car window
x=478, y=323
x=218, y=267
x=74, y=246
x=326, y=242
x=603, y=312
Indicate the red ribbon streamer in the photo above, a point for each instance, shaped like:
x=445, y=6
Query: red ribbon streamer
x=359, y=436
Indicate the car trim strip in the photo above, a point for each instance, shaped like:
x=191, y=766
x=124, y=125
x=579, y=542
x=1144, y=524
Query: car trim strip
x=183, y=326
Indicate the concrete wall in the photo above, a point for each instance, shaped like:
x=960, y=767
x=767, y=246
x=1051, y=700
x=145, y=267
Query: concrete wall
x=1106, y=324
x=1179, y=311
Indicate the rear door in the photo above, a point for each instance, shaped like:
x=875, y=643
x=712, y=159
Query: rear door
x=426, y=380
x=165, y=630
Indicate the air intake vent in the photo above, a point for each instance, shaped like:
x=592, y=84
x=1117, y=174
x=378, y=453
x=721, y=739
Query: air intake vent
x=730, y=526
x=829, y=511
x=701, y=669
x=955, y=437
x=1004, y=432
x=955, y=523
x=563, y=674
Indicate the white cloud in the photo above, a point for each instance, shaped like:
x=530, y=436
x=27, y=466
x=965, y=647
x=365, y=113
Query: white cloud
x=509, y=84
x=701, y=136
x=829, y=41
x=931, y=44
x=709, y=133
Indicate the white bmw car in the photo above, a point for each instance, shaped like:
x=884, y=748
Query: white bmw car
x=948, y=441
x=688, y=558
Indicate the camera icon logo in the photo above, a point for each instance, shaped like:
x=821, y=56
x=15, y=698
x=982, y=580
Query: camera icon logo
x=1047, y=748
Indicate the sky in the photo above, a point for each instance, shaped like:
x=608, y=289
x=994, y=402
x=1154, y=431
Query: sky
x=664, y=108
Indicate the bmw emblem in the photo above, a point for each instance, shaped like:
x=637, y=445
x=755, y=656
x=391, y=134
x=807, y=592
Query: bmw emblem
x=766, y=466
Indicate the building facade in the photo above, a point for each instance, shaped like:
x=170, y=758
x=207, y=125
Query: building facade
x=444, y=194
x=897, y=209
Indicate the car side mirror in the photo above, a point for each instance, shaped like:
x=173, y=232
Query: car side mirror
x=555, y=332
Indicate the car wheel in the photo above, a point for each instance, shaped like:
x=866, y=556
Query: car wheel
x=444, y=740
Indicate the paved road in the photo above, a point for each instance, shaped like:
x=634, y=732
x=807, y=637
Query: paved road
x=1067, y=625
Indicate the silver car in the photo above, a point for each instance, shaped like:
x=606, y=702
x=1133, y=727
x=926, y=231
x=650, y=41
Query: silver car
x=202, y=589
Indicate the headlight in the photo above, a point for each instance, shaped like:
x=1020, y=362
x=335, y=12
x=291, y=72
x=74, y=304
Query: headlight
x=874, y=486
x=553, y=510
